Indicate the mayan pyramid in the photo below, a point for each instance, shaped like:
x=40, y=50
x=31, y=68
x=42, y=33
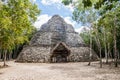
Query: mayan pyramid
x=56, y=41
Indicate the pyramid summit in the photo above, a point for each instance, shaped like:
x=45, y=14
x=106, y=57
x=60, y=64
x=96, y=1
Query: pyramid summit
x=56, y=41
x=56, y=30
x=57, y=23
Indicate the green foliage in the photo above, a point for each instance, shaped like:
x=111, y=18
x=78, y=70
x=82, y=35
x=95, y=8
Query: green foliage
x=23, y=13
x=16, y=20
x=86, y=37
x=87, y=3
x=66, y=2
x=104, y=24
x=86, y=17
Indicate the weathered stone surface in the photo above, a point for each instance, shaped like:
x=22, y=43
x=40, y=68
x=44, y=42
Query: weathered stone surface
x=56, y=30
x=81, y=54
x=41, y=38
x=74, y=39
x=34, y=54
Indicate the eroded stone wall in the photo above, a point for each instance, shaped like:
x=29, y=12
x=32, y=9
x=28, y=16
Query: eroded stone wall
x=56, y=30
x=34, y=54
x=82, y=54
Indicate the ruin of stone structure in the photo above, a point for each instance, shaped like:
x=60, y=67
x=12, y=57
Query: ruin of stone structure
x=56, y=41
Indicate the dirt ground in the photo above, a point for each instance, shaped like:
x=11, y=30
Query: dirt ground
x=58, y=71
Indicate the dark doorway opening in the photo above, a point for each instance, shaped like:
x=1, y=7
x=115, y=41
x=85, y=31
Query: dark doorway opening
x=60, y=53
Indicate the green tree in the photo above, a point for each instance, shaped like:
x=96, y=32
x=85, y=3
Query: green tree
x=112, y=23
x=16, y=20
x=107, y=23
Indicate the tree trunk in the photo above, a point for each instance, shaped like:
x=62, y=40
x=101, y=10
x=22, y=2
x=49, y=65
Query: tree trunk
x=100, y=53
x=99, y=46
x=16, y=52
x=109, y=51
x=0, y=54
x=90, y=55
x=106, y=54
x=115, y=45
x=100, y=59
x=9, y=56
x=115, y=48
x=5, y=52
